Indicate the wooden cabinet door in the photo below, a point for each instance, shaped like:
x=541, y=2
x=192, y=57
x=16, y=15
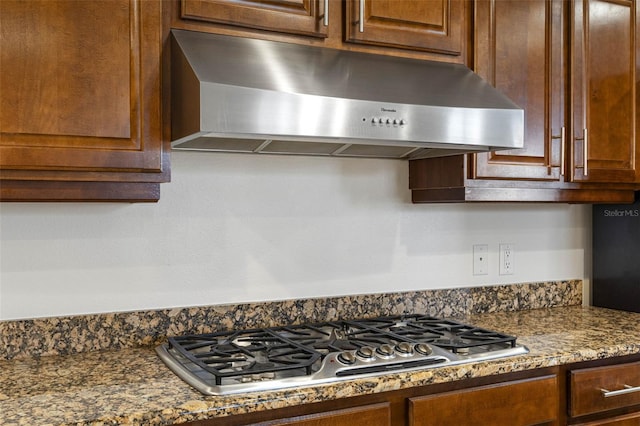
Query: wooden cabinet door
x=80, y=85
x=438, y=26
x=290, y=16
x=519, y=50
x=605, y=69
x=519, y=403
x=368, y=415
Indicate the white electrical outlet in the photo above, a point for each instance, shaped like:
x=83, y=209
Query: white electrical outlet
x=507, y=257
x=480, y=259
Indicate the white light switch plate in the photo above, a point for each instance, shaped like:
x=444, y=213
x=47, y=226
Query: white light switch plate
x=480, y=259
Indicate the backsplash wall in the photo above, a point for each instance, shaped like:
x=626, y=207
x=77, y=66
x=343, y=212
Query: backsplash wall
x=243, y=228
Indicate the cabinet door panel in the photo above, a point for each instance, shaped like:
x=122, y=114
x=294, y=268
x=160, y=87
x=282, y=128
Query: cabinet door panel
x=80, y=86
x=369, y=415
x=431, y=25
x=55, y=83
x=605, y=70
x=525, y=402
x=519, y=50
x=292, y=16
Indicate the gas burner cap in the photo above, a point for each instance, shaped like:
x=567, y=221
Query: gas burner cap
x=366, y=352
x=347, y=358
x=385, y=351
x=404, y=348
x=423, y=349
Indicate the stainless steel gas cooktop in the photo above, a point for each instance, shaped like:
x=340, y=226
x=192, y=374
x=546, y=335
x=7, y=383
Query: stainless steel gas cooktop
x=304, y=355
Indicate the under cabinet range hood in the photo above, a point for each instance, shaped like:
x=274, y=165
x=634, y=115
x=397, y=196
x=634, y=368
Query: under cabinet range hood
x=234, y=94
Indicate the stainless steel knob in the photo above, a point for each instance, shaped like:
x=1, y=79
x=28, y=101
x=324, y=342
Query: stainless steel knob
x=385, y=350
x=404, y=348
x=347, y=358
x=366, y=352
x=423, y=349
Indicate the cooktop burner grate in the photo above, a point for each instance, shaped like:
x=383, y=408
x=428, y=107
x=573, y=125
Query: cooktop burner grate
x=318, y=352
x=250, y=352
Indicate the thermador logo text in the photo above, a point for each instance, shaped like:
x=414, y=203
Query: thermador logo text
x=620, y=213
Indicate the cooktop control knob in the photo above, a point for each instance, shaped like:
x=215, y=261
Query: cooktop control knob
x=404, y=348
x=385, y=351
x=366, y=352
x=347, y=358
x=423, y=349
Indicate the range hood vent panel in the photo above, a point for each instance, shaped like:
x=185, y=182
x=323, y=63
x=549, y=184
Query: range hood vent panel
x=227, y=89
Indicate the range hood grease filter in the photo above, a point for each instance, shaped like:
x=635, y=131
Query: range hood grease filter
x=233, y=94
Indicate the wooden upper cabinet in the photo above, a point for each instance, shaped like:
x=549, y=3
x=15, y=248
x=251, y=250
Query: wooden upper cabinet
x=80, y=84
x=308, y=17
x=438, y=26
x=519, y=50
x=605, y=100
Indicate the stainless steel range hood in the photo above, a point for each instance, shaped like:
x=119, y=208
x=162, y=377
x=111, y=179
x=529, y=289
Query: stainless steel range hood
x=235, y=94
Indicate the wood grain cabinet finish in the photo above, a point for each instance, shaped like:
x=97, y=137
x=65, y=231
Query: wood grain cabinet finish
x=425, y=29
x=81, y=100
x=624, y=420
x=520, y=403
x=432, y=25
x=605, y=71
x=369, y=415
x=376, y=414
x=289, y=16
x=591, y=388
x=519, y=50
x=523, y=49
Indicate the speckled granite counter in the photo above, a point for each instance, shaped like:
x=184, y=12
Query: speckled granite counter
x=132, y=386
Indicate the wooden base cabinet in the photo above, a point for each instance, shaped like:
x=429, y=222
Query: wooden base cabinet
x=627, y=420
x=605, y=395
x=520, y=403
x=572, y=66
x=592, y=393
x=368, y=415
x=516, y=399
x=80, y=110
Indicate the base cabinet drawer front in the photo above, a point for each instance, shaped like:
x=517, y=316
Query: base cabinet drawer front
x=594, y=390
x=368, y=415
x=626, y=420
x=519, y=403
